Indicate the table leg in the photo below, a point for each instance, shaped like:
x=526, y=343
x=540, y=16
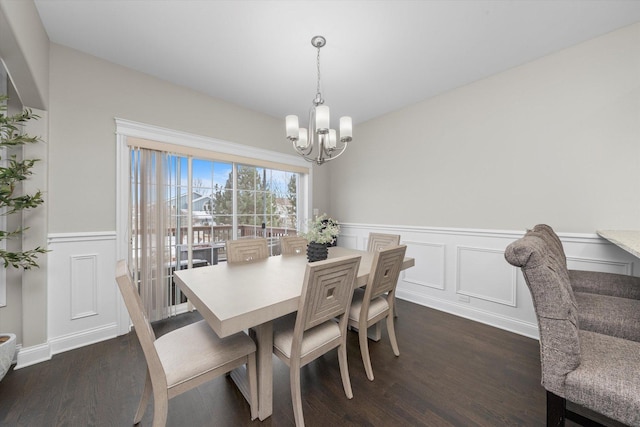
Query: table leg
x=263, y=335
x=264, y=338
x=375, y=331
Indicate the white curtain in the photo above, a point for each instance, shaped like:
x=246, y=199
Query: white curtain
x=151, y=238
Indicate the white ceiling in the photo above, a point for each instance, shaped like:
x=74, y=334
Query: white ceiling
x=380, y=55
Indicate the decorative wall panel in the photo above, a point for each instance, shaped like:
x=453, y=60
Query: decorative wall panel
x=600, y=265
x=483, y=273
x=83, y=296
x=430, y=272
x=84, y=286
x=463, y=271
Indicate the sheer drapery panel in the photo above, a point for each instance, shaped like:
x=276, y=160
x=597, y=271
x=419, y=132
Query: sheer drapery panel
x=150, y=257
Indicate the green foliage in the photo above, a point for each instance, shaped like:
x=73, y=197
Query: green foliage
x=22, y=259
x=292, y=195
x=11, y=175
x=255, y=197
x=323, y=229
x=223, y=202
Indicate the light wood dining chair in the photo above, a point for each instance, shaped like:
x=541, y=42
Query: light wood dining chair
x=184, y=358
x=378, y=241
x=293, y=245
x=320, y=324
x=376, y=301
x=246, y=250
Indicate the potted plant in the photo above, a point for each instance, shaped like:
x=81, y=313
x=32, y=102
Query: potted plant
x=13, y=171
x=321, y=233
x=7, y=352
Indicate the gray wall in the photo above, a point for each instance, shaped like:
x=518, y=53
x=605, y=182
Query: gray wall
x=87, y=93
x=556, y=140
x=24, y=47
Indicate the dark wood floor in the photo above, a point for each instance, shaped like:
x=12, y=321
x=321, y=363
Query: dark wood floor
x=451, y=372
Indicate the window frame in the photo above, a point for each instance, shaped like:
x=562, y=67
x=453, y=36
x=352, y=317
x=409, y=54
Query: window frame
x=149, y=136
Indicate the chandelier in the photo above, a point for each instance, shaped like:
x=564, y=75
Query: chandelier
x=319, y=142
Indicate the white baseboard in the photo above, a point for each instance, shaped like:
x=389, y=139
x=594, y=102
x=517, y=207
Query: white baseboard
x=31, y=355
x=519, y=327
x=40, y=353
x=83, y=338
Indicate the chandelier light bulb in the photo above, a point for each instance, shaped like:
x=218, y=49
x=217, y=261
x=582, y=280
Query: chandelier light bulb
x=322, y=118
x=303, y=141
x=292, y=126
x=346, y=128
x=331, y=144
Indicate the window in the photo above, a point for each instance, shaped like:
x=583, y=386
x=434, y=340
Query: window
x=185, y=202
x=227, y=201
x=266, y=201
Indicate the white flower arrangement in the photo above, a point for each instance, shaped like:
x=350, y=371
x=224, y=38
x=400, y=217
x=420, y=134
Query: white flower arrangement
x=322, y=230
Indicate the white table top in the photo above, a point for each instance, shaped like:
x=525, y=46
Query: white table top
x=239, y=296
x=629, y=240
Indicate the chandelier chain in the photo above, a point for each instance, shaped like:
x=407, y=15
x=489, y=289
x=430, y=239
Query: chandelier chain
x=318, y=66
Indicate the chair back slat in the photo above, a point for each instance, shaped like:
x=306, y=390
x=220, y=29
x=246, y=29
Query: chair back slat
x=293, y=245
x=385, y=272
x=327, y=290
x=246, y=250
x=379, y=241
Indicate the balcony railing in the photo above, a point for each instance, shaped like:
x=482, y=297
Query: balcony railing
x=220, y=233
x=205, y=236
x=209, y=248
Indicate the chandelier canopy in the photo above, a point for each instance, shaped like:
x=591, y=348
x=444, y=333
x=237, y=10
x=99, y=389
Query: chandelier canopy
x=319, y=143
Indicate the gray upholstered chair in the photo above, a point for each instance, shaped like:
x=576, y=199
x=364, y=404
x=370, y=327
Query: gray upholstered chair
x=184, y=358
x=320, y=324
x=246, y=250
x=376, y=301
x=597, y=371
x=594, y=282
x=608, y=303
x=293, y=245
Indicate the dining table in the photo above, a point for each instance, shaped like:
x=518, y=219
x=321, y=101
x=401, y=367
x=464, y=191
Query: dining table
x=251, y=295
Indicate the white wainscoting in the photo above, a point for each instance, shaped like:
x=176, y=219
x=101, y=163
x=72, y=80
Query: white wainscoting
x=463, y=271
x=459, y=271
x=83, y=296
